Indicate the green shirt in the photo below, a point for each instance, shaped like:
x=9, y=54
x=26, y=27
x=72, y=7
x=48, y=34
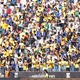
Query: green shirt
x=77, y=13
x=47, y=26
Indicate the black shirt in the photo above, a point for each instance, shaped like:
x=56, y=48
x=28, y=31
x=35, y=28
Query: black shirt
x=30, y=63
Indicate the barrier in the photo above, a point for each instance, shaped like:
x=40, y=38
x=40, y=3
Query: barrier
x=39, y=79
x=37, y=75
x=9, y=79
x=51, y=79
x=51, y=75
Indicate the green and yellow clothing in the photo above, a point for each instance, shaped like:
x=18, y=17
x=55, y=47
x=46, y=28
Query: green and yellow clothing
x=25, y=66
x=50, y=64
x=44, y=66
x=67, y=64
x=71, y=63
x=76, y=65
x=4, y=26
x=37, y=65
x=34, y=63
x=59, y=63
x=62, y=63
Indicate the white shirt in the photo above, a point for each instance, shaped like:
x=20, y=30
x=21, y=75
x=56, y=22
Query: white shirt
x=20, y=64
x=5, y=1
x=54, y=57
x=23, y=2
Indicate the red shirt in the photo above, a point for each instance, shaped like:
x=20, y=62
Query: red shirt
x=8, y=11
x=18, y=1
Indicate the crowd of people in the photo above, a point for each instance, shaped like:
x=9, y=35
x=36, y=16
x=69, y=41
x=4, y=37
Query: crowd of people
x=38, y=35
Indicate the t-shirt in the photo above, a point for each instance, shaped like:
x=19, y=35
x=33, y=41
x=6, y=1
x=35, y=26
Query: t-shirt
x=50, y=64
x=4, y=26
x=47, y=26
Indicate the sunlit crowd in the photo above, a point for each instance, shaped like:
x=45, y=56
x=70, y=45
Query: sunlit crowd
x=38, y=35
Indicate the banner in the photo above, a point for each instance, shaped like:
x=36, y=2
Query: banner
x=42, y=75
x=51, y=79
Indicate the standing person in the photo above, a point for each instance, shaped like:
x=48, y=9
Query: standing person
x=76, y=65
x=49, y=64
x=13, y=66
x=56, y=67
x=7, y=63
x=38, y=66
x=25, y=65
x=46, y=74
x=20, y=65
x=67, y=66
x=7, y=73
x=71, y=65
x=34, y=64
x=29, y=61
x=2, y=66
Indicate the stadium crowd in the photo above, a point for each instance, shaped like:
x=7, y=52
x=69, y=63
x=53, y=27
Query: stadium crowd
x=37, y=35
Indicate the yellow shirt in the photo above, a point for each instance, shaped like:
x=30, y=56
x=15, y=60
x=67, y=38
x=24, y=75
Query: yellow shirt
x=72, y=12
x=25, y=66
x=49, y=17
x=67, y=64
x=62, y=42
x=44, y=66
x=40, y=9
x=2, y=64
x=38, y=13
x=54, y=45
x=37, y=19
x=6, y=43
x=10, y=52
x=63, y=8
x=22, y=35
x=35, y=0
x=5, y=54
x=15, y=18
x=50, y=64
x=37, y=65
x=67, y=29
x=34, y=63
x=62, y=63
x=76, y=65
x=10, y=39
x=0, y=40
x=4, y=26
x=45, y=18
x=33, y=30
x=41, y=64
x=71, y=63
x=72, y=49
x=22, y=45
x=59, y=63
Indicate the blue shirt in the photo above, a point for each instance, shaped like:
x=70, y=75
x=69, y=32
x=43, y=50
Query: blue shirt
x=78, y=41
x=4, y=15
x=57, y=14
x=38, y=34
x=13, y=1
